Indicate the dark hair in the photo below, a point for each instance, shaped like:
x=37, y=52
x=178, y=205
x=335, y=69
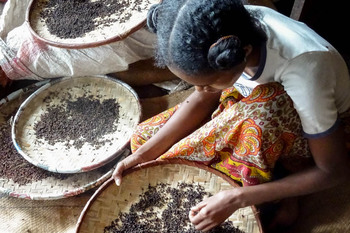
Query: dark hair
x=203, y=36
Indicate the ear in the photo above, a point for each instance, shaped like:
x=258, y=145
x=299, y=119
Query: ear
x=152, y=18
x=248, y=50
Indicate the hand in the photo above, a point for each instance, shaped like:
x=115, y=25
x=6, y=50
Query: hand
x=126, y=163
x=214, y=210
x=118, y=172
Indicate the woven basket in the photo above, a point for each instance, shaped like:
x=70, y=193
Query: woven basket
x=109, y=200
x=135, y=12
x=68, y=159
x=50, y=187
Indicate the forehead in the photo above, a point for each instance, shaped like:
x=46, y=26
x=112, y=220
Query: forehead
x=195, y=79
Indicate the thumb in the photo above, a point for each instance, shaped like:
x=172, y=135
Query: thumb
x=117, y=173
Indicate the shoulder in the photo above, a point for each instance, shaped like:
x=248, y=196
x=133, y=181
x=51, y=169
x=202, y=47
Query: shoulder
x=288, y=36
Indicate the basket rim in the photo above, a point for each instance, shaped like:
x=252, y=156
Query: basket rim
x=91, y=166
x=161, y=162
x=78, y=45
x=68, y=193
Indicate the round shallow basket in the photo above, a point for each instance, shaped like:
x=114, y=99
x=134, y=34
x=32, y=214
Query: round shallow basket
x=64, y=156
x=120, y=20
x=32, y=182
x=109, y=201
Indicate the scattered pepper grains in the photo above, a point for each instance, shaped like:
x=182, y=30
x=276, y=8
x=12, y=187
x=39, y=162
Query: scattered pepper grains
x=84, y=120
x=175, y=203
x=75, y=18
x=14, y=167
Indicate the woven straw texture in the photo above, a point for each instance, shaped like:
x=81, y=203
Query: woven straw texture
x=68, y=159
x=51, y=187
x=40, y=216
x=123, y=22
x=54, y=188
x=110, y=200
x=324, y=212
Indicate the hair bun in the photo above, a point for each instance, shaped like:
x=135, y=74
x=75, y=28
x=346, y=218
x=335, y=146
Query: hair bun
x=152, y=18
x=226, y=53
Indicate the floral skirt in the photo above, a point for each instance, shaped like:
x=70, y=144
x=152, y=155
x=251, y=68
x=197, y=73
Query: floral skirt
x=245, y=137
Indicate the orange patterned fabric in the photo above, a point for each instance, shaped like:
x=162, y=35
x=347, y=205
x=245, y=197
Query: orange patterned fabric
x=244, y=138
x=149, y=127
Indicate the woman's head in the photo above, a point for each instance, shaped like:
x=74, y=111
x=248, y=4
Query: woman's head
x=198, y=36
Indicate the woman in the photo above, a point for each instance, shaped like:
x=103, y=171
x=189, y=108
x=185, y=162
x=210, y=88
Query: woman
x=280, y=92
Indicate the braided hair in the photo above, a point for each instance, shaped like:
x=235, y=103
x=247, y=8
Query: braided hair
x=203, y=36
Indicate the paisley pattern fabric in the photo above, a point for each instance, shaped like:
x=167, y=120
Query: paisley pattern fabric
x=244, y=138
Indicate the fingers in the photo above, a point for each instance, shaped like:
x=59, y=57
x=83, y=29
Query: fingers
x=117, y=173
x=198, y=207
x=199, y=218
x=126, y=163
x=202, y=217
x=201, y=221
x=195, y=215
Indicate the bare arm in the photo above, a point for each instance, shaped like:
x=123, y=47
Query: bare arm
x=331, y=168
x=196, y=108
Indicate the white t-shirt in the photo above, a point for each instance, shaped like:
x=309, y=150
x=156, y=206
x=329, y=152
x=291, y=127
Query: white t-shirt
x=312, y=72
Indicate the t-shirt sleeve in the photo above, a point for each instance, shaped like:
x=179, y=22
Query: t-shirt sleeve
x=310, y=81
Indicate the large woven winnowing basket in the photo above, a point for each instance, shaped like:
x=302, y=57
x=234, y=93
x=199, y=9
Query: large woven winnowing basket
x=109, y=200
x=50, y=187
x=63, y=158
x=120, y=24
